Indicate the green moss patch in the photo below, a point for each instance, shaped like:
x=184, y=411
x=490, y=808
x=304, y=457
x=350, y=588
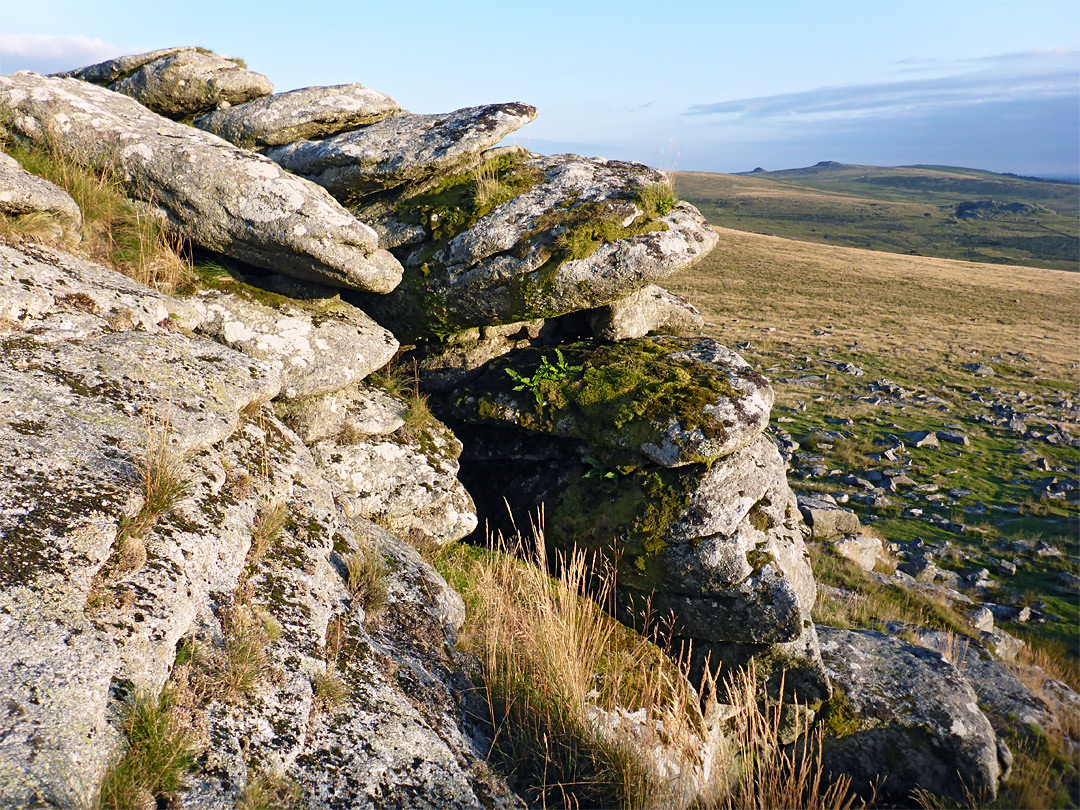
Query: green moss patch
x=617, y=395
x=627, y=519
x=460, y=200
x=578, y=230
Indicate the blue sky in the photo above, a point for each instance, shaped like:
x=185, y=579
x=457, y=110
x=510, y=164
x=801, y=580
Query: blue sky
x=711, y=86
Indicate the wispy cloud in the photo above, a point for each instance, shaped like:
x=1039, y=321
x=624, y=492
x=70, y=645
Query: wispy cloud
x=1001, y=78
x=47, y=54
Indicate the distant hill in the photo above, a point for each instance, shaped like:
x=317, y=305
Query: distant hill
x=943, y=211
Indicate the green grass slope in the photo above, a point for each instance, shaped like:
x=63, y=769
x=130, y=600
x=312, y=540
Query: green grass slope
x=905, y=209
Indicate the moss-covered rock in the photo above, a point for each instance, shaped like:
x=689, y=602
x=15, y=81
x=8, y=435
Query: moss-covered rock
x=670, y=401
x=568, y=234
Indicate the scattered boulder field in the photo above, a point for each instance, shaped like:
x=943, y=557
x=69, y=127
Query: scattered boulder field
x=520, y=293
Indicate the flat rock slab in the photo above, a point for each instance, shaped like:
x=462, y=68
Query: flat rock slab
x=219, y=196
x=651, y=310
x=407, y=483
x=357, y=410
x=177, y=82
x=317, y=345
x=461, y=357
x=406, y=148
x=579, y=238
x=906, y=716
x=311, y=112
x=21, y=193
x=42, y=283
x=673, y=401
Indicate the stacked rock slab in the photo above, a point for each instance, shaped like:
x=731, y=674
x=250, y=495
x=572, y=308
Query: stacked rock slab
x=311, y=112
x=177, y=82
x=670, y=477
x=318, y=345
x=219, y=196
x=578, y=235
x=406, y=148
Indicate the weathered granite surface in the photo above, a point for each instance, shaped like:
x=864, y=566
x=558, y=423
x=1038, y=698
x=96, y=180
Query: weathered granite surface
x=310, y=112
x=96, y=374
x=317, y=345
x=177, y=82
x=405, y=148
x=217, y=195
x=904, y=718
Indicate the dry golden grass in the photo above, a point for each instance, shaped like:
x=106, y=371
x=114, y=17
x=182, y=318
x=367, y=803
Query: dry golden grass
x=266, y=529
x=116, y=231
x=559, y=671
x=925, y=311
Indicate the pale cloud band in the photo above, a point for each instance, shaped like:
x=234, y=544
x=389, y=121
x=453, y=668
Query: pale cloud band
x=1009, y=77
x=48, y=54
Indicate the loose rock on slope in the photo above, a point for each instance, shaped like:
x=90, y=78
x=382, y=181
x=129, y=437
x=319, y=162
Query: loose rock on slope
x=904, y=718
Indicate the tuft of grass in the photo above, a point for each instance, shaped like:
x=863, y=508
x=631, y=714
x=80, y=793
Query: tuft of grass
x=267, y=529
x=657, y=199
x=488, y=188
x=163, y=483
x=770, y=774
x=330, y=690
x=30, y=227
x=404, y=385
x=162, y=477
x=116, y=231
x=156, y=752
x=390, y=379
x=269, y=791
x=271, y=626
x=239, y=667
x=246, y=661
x=418, y=416
x=365, y=578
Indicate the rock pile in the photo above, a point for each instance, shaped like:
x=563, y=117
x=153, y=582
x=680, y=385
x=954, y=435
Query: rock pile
x=526, y=286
